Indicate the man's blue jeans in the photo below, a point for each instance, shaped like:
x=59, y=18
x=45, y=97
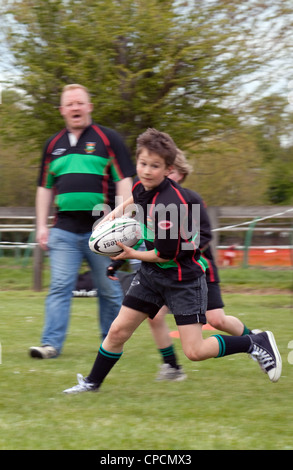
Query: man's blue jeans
x=67, y=250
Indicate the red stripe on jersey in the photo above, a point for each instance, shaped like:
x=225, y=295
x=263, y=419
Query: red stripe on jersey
x=177, y=262
x=179, y=270
x=45, y=170
x=181, y=199
x=153, y=203
x=134, y=186
x=52, y=143
x=48, y=156
x=198, y=264
x=178, y=246
x=105, y=185
x=185, y=203
x=109, y=149
x=179, y=195
x=211, y=269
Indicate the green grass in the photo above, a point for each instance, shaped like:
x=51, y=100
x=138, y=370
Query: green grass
x=225, y=403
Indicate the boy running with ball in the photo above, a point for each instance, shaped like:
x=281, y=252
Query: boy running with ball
x=171, y=273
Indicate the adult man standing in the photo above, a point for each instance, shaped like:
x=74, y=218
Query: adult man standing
x=84, y=166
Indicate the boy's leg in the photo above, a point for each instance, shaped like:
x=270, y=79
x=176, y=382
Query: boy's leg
x=170, y=369
x=110, y=294
x=122, y=328
x=216, y=316
x=161, y=334
x=159, y=329
x=227, y=323
x=261, y=346
x=195, y=347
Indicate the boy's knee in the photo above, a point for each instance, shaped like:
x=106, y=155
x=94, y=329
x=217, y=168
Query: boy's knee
x=218, y=324
x=117, y=334
x=193, y=354
x=156, y=322
x=216, y=319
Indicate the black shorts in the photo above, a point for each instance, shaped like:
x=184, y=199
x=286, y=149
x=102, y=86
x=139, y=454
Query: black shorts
x=214, y=296
x=150, y=290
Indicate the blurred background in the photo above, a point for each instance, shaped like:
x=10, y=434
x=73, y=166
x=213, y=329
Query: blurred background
x=217, y=75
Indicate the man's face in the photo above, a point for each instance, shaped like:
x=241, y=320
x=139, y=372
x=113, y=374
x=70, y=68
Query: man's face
x=76, y=109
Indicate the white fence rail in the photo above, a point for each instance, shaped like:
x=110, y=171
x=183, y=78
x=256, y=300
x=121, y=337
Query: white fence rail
x=21, y=220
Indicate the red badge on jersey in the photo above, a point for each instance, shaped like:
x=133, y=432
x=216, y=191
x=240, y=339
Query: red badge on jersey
x=165, y=224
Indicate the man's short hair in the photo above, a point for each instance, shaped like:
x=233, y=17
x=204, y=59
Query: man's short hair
x=75, y=86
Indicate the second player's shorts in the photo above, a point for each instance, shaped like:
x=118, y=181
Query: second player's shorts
x=214, y=296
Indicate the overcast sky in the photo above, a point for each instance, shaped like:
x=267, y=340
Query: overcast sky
x=278, y=71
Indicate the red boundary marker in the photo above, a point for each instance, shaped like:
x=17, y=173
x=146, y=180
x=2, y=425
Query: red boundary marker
x=208, y=327
x=175, y=334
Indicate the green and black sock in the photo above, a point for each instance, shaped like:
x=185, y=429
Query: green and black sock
x=246, y=331
x=104, y=362
x=233, y=344
x=169, y=356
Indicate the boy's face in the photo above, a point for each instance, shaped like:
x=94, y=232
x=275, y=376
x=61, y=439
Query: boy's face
x=151, y=169
x=175, y=175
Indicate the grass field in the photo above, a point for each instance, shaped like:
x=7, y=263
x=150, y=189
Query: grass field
x=225, y=403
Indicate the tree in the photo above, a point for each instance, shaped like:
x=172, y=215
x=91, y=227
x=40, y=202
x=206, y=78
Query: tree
x=272, y=134
x=228, y=170
x=148, y=64
x=173, y=65
x=18, y=170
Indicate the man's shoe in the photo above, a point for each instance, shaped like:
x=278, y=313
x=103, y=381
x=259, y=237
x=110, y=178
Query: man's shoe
x=82, y=386
x=265, y=352
x=170, y=373
x=43, y=352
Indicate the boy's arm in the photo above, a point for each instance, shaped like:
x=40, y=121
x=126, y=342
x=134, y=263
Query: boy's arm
x=147, y=256
x=118, y=211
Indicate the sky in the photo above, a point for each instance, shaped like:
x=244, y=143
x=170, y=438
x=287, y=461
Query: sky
x=7, y=71
x=277, y=71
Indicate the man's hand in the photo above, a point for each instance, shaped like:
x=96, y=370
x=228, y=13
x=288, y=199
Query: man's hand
x=44, y=198
x=42, y=236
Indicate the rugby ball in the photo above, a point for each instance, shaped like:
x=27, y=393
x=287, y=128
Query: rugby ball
x=105, y=236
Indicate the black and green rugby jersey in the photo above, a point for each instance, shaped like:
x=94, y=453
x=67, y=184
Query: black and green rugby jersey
x=212, y=274
x=84, y=175
x=168, y=216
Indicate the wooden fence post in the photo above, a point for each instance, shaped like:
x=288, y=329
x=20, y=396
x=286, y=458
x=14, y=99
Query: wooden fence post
x=38, y=268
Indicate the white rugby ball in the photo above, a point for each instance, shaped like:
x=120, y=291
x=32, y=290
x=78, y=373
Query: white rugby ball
x=105, y=236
